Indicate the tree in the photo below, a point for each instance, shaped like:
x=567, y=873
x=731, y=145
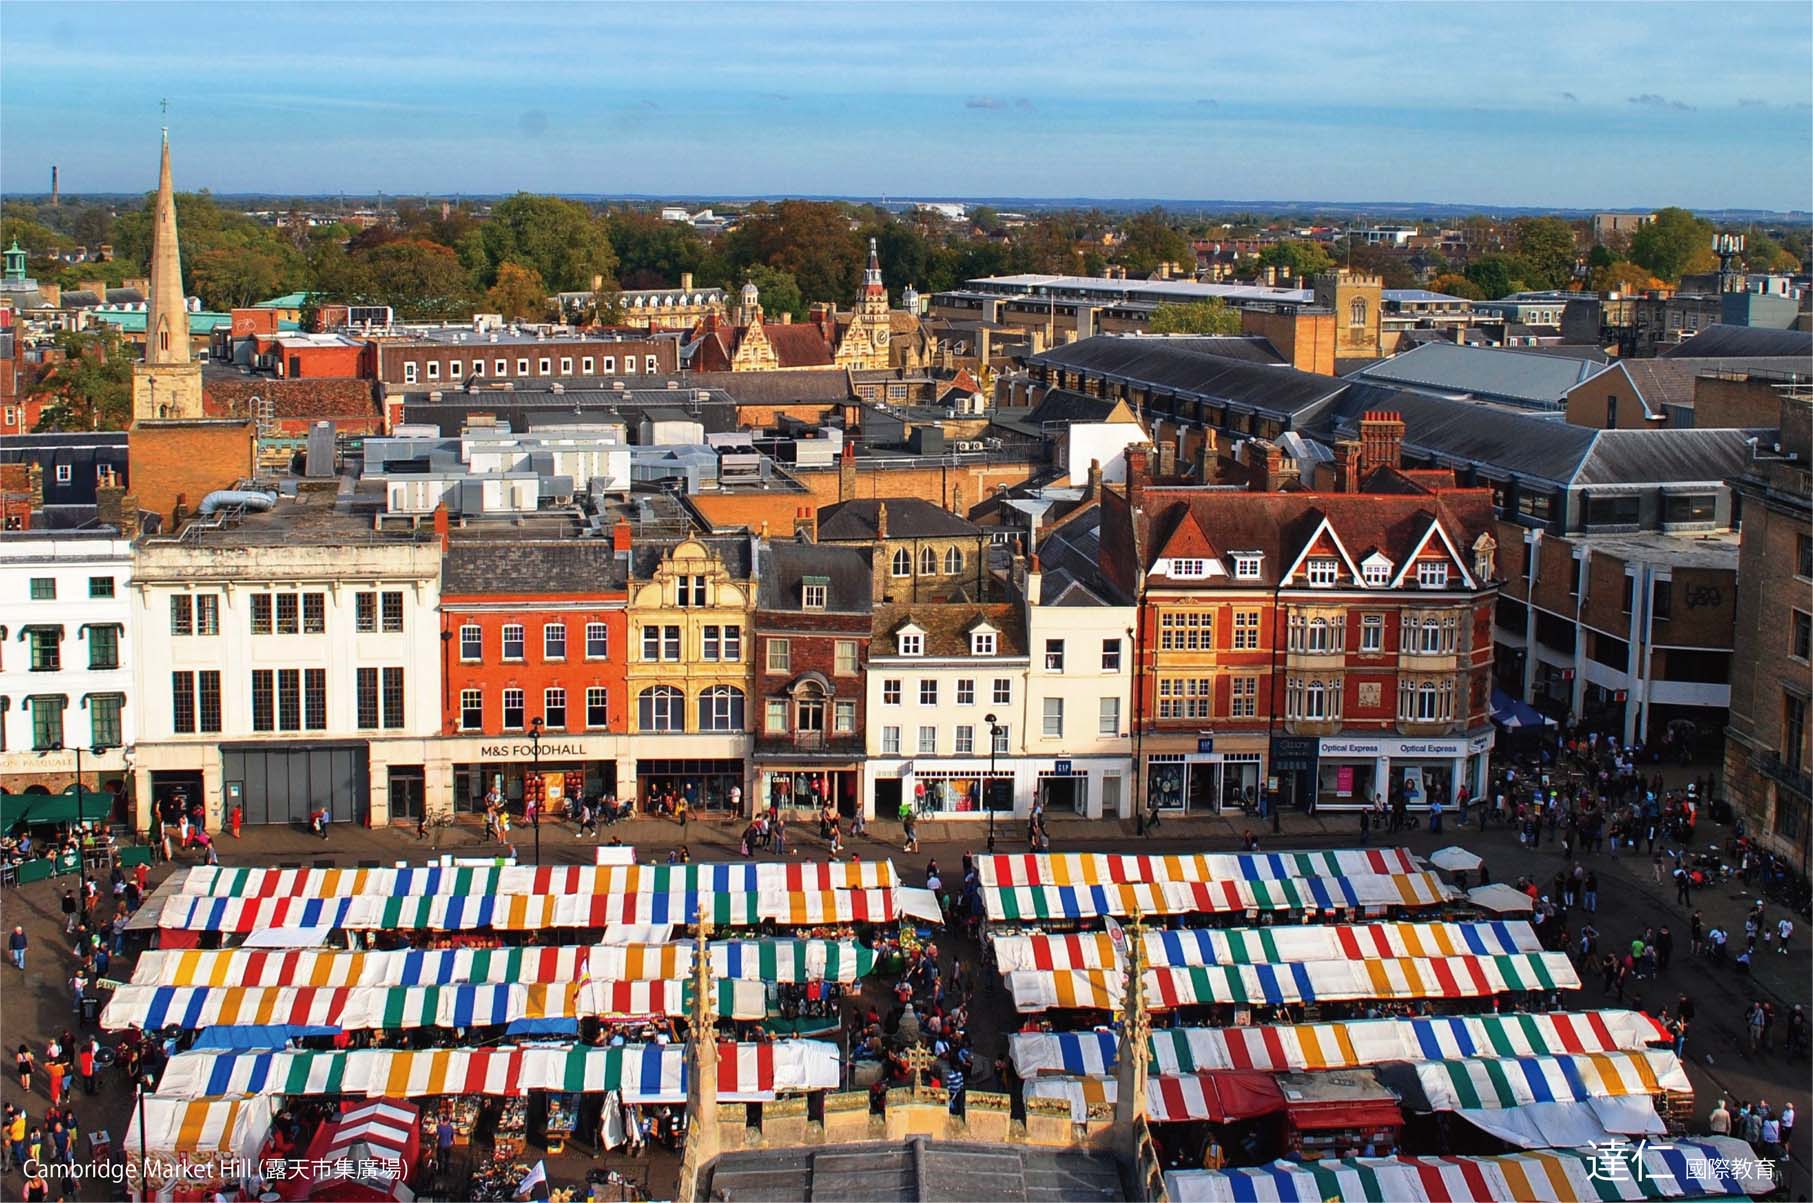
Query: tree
x=518, y=294
x=416, y=278
x=658, y=251
x=778, y=291
x=1497, y=275
x=1149, y=239
x=93, y=226
x=1600, y=257
x=1666, y=245
x=1454, y=285
x=810, y=240
x=985, y=218
x=1622, y=276
x=90, y=388
x=1213, y=316
x=1763, y=254
x=1304, y=259
x=1546, y=246
x=565, y=242
x=229, y=277
x=37, y=240
x=204, y=226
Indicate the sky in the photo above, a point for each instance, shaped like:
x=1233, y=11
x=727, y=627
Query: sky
x=1565, y=105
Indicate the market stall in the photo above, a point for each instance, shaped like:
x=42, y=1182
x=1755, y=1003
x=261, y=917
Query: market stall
x=1338, y=1113
x=1344, y=1045
x=198, y=1131
x=378, y=1145
x=1213, y=1096
x=1546, y=1102
x=1266, y=945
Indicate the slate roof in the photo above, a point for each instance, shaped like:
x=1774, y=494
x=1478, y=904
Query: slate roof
x=920, y=1170
x=732, y=552
x=1251, y=348
x=947, y=627
x=784, y=563
x=1067, y=405
x=522, y=408
x=908, y=518
x=1069, y=560
x=1526, y=377
x=1727, y=341
x=1507, y=442
x=553, y=566
x=1278, y=392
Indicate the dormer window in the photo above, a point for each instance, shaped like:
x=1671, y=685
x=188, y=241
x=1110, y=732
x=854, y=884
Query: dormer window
x=1432, y=574
x=982, y=643
x=1189, y=569
x=912, y=644
x=1246, y=567
x=1376, y=571
x=813, y=594
x=1323, y=572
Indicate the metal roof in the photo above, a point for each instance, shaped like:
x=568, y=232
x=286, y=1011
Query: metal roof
x=1734, y=341
x=1522, y=377
x=1168, y=367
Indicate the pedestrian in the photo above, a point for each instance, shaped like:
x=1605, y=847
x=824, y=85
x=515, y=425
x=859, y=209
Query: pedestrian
x=1591, y=889
x=912, y=833
x=1772, y=1137
x=443, y=1143
x=1754, y=1020
x=1719, y=1122
x=1655, y=860
x=1365, y=826
x=16, y=945
x=7, y=1155
x=1683, y=888
x=1665, y=946
x=1787, y=1126
x=69, y=911
x=237, y=817
x=53, y=1069
x=85, y=1066
x=1696, y=936
x=778, y=833
x=25, y=1064
x=1784, y=931
x=1435, y=816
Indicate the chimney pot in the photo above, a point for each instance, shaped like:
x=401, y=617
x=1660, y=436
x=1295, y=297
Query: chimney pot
x=620, y=536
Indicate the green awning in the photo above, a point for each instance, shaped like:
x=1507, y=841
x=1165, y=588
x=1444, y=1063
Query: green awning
x=66, y=807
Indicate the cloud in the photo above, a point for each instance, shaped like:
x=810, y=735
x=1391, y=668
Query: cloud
x=997, y=103
x=1649, y=100
x=1570, y=98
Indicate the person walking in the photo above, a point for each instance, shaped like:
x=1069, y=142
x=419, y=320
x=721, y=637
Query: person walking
x=26, y=1064
x=1719, y=1122
x=1365, y=826
x=16, y=945
x=1683, y=887
x=70, y=908
x=1787, y=1126
x=53, y=1069
x=1590, y=888
x=1784, y=931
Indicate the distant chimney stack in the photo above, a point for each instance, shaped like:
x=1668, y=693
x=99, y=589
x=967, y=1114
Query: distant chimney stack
x=805, y=524
x=1094, y=488
x=55, y=188
x=685, y=281
x=1139, y=471
x=881, y=521
x=441, y=532
x=1208, y=457
x=1381, y=440
x=1347, y=466
x=1274, y=468
x=620, y=537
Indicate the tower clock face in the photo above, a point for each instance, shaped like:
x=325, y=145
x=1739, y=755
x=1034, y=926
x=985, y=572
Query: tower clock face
x=881, y=337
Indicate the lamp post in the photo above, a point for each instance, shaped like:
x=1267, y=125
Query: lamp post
x=988, y=801
x=535, y=752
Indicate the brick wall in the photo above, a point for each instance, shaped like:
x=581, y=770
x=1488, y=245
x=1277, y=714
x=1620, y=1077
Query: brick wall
x=172, y=461
x=351, y=404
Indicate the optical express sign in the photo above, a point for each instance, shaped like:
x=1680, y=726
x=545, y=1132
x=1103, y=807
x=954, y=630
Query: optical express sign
x=1434, y=748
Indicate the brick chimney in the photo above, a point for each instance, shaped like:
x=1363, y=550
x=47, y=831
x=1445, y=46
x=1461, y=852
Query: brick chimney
x=1347, y=466
x=1274, y=468
x=957, y=499
x=846, y=471
x=109, y=496
x=441, y=535
x=685, y=281
x=1034, y=577
x=34, y=487
x=1094, y=487
x=620, y=536
x=805, y=524
x=1167, y=456
x=1381, y=440
x=1139, y=471
x=881, y=521
x=1208, y=458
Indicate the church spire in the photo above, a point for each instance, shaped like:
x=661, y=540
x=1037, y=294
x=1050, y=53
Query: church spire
x=166, y=311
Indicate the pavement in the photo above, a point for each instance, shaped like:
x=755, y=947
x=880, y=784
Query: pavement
x=1630, y=900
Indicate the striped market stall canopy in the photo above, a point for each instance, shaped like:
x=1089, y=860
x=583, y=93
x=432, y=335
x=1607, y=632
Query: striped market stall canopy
x=645, y=1073
x=1316, y=981
x=1216, y=1097
x=1269, y=945
x=1284, y=1047
x=1100, y=868
x=391, y=1008
x=1030, y=903
x=1681, y=1169
x=213, y=881
x=780, y=960
x=179, y=1127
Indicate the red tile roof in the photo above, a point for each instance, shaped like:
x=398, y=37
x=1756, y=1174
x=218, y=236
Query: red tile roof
x=798, y=345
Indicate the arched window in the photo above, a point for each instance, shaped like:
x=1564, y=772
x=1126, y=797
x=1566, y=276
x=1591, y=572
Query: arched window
x=953, y=561
x=809, y=706
x=1318, y=634
x=928, y=562
x=662, y=708
x=721, y=709
x=1356, y=312
x=903, y=562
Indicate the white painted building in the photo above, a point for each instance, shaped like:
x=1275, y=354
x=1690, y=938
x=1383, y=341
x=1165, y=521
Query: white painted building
x=936, y=674
x=288, y=660
x=66, y=653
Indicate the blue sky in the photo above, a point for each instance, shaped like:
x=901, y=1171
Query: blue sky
x=1619, y=104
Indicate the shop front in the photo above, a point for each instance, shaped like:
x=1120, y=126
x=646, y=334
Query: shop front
x=1293, y=771
x=1217, y=773
x=1088, y=786
x=556, y=772
x=952, y=788
x=788, y=785
x=707, y=783
x=1352, y=771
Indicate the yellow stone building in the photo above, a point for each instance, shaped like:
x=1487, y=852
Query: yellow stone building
x=690, y=672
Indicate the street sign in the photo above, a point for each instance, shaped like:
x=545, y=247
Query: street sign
x=1062, y=768
x=1205, y=744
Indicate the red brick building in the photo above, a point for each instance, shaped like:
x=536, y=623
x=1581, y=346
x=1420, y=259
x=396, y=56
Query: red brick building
x=1328, y=644
x=533, y=643
x=812, y=634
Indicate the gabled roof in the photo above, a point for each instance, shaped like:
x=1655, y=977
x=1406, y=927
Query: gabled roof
x=947, y=626
x=1066, y=405
x=908, y=518
x=1662, y=382
x=732, y=552
x=1526, y=378
x=1724, y=341
x=1188, y=542
x=786, y=564
x=797, y=344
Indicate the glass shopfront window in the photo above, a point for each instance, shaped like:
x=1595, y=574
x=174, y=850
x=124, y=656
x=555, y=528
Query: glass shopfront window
x=808, y=789
x=1165, y=784
x=1349, y=782
x=705, y=784
x=962, y=793
x=563, y=783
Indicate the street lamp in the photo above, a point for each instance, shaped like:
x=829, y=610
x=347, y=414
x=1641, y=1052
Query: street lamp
x=535, y=752
x=988, y=801
x=81, y=790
